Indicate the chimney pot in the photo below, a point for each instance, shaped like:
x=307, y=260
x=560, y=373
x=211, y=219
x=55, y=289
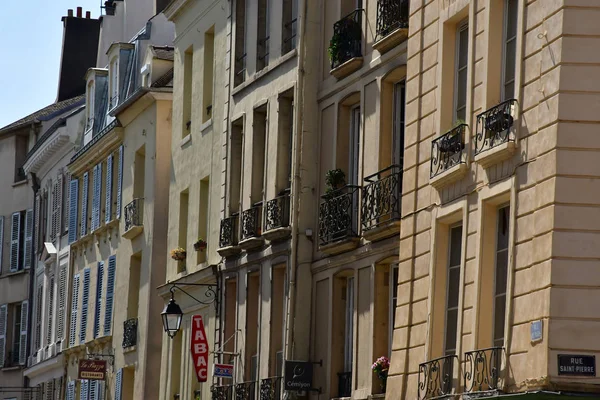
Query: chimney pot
x=88, y=14
x=79, y=11
x=70, y=12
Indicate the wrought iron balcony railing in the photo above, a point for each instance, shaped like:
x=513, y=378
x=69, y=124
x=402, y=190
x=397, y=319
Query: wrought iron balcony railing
x=245, y=391
x=482, y=369
x=436, y=377
x=338, y=214
x=346, y=42
x=228, y=235
x=270, y=388
x=277, y=212
x=391, y=15
x=381, y=197
x=134, y=213
x=251, y=222
x=448, y=150
x=130, y=332
x=224, y=392
x=345, y=384
x=493, y=126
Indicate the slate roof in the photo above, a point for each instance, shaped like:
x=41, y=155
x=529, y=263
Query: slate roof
x=163, y=52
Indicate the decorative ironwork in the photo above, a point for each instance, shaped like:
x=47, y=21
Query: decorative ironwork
x=211, y=292
x=482, y=369
x=391, y=15
x=345, y=384
x=245, y=391
x=228, y=233
x=338, y=214
x=251, y=222
x=289, y=36
x=436, y=377
x=493, y=126
x=381, y=197
x=277, y=212
x=134, y=212
x=270, y=388
x=224, y=392
x=130, y=332
x=263, y=52
x=240, y=69
x=448, y=150
x=346, y=42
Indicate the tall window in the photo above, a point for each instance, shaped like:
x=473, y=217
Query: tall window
x=207, y=87
x=349, y=329
x=90, y=106
x=393, y=304
x=453, y=287
x=188, y=68
x=354, y=146
x=183, y=224
x=235, y=177
x=289, y=21
x=114, y=82
x=501, y=275
x=240, y=42
x=398, y=128
x=462, y=55
x=262, y=44
x=510, y=48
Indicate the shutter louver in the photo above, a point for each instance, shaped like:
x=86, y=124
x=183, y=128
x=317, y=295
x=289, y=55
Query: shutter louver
x=15, y=234
x=119, y=384
x=97, y=190
x=38, y=316
x=93, y=390
x=28, y=238
x=50, y=312
x=59, y=200
x=62, y=291
x=1, y=241
x=57, y=388
x=67, y=201
x=3, y=323
x=74, y=304
x=84, y=204
x=98, y=299
x=120, y=182
x=23, y=338
x=49, y=390
x=110, y=287
x=84, y=305
x=84, y=389
x=73, y=197
x=53, y=219
x=71, y=390
x=109, y=171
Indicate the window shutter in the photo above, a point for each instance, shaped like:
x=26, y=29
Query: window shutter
x=28, y=238
x=93, y=390
x=67, y=201
x=110, y=287
x=57, y=388
x=84, y=204
x=84, y=305
x=59, y=201
x=120, y=182
x=119, y=384
x=73, y=197
x=62, y=291
x=109, y=170
x=97, y=190
x=49, y=390
x=100, y=390
x=1, y=240
x=71, y=390
x=15, y=233
x=74, y=304
x=3, y=323
x=84, y=389
x=98, y=299
x=53, y=220
x=23, y=339
x=36, y=223
x=38, y=315
x=50, y=312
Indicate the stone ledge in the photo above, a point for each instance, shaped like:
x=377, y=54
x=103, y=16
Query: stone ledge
x=347, y=67
x=340, y=246
x=391, y=40
x=449, y=176
x=383, y=231
x=496, y=154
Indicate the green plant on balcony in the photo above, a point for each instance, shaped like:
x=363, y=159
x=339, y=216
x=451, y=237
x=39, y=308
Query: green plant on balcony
x=200, y=244
x=335, y=179
x=333, y=51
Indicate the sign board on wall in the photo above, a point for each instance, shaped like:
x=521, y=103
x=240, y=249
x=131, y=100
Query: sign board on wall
x=199, y=348
x=94, y=370
x=298, y=375
x=223, y=370
x=576, y=365
x=536, y=331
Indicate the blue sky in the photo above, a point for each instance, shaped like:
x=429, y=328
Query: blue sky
x=30, y=55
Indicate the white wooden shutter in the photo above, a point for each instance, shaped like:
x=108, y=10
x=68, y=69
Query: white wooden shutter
x=84, y=305
x=84, y=389
x=67, y=201
x=84, y=204
x=73, y=197
x=62, y=298
x=100, y=390
x=119, y=384
x=1, y=240
x=98, y=299
x=49, y=390
x=110, y=287
x=54, y=207
x=74, y=304
x=15, y=234
x=120, y=182
x=97, y=190
x=3, y=323
x=59, y=200
x=28, y=238
x=23, y=338
x=38, y=314
x=108, y=203
x=50, y=312
x=71, y=390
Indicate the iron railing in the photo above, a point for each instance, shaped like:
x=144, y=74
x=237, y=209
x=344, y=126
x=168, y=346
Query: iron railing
x=228, y=235
x=448, y=150
x=277, y=212
x=338, y=214
x=381, y=197
x=130, y=332
x=346, y=42
x=391, y=15
x=240, y=69
x=224, y=392
x=263, y=53
x=289, y=36
x=134, y=213
x=482, y=369
x=270, y=388
x=245, y=391
x=344, y=384
x=493, y=126
x=436, y=377
x=251, y=221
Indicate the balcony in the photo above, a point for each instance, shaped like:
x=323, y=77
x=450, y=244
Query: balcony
x=252, y=227
x=482, y=370
x=224, y=392
x=345, y=46
x=338, y=220
x=381, y=200
x=436, y=378
x=495, y=135
x=344, y=384
x=270, y=388
x=228, y=236
x=277, y=218
x=134, y=218
x=245, y=391
x=130, y=332
x=392, y=24
x=448, y=157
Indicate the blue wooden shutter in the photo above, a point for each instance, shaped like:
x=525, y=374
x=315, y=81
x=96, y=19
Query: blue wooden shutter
x=109, y=185
x=98, y=299
x=73, y=197
x=60, y=314
x=3, y=323
x=93, y=390
x=120, y=182
x=71, y=390
x=28, y=238
x=97, y=191
x=23, y=338
x=119, y=384
x=74, y=305
x=84, y=389
x=84, y=204
x=1, y=240
x=84, y=305
x=110, y=288
x=15, y=234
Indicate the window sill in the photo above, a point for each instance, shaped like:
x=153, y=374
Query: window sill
x=496, y=154
x=449, y=176
x=129, y=349
x=17, y=273
x=259, y=74
x=8, y=369
x=206, y=125
x=391, y=40
x=19, y=183
x=340, y=246
x=187, y=139
x=228, y=251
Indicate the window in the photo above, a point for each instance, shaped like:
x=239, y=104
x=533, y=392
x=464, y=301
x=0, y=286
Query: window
x=38, y=314
x=252, y=325
x=135, y=264
x=62, y=301
x=20, y=156
x=84, y=204
x=393, y=304
x=90, y=106
x=183, y=224
x=398, y=126
x=462, y=56
x=511, y=9
x=240, y=42
x=289, y=25
x=188, y=69
x=110, y=291
x=73, y=203
x=354, y=146
x=235, y=178
x=21, y=240
x=96, y=197
x=98, y=310
x=501, y=275
x=203, y=216
x=74, y=310
x=277, y=320
x=453, y=287
x=84, y=305
x=13, y=334
x=349, y=327
x=114, y=82
x=50, y=310
x=285, y=140
x=207, y=86
x=262, y=44
x=259, y=134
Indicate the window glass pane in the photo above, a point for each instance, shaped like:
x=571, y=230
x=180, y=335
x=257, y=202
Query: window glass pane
x=461, y=93
x=455, y=245
x=453, y=287
x=451, y=324
x=502, y=241
x=463, y=47
x=500, y=308
x=510, y=60
x=509, y=91
x=501, y=271
x=398, y=137
x=512, y=9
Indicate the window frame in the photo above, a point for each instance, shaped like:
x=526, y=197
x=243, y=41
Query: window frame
x=447, y=293
x=460, y=27
x=349, y=325
x=495, y=294
x=505, y=40
x=394, y=275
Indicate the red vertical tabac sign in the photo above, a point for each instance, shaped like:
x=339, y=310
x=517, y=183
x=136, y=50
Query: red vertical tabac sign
x=199, y=348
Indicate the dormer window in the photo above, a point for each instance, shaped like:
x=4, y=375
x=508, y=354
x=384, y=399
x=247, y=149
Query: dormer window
x=114, y=82
x=90, y=106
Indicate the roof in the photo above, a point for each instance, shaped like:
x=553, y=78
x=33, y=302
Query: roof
x=163, y=52
x=45, y=113
x=166, y=80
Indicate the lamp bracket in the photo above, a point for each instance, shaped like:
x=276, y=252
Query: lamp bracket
x=210, y=292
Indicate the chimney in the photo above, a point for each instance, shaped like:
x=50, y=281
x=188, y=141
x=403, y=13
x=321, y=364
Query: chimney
x=70, y=12
x=79, y=10
x=88, y=15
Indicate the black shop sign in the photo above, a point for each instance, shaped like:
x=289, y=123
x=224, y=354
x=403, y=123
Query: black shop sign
x=576, y=365
x=298, y=375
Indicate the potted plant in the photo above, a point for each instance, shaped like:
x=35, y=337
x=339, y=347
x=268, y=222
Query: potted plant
x=333, y=51
x=200, y=244
x=335, y=179
x=452, y=143
x=381, y=367
x=497, y=122
x=178, y=254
